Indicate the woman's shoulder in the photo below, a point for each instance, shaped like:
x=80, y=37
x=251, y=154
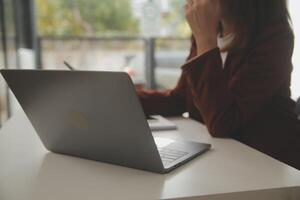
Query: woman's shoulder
x=274, y=34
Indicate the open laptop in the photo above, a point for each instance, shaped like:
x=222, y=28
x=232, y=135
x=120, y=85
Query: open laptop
x=97, y=116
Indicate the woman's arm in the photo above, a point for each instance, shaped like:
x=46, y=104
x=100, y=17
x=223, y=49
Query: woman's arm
x=228, y=103
x=167, y=103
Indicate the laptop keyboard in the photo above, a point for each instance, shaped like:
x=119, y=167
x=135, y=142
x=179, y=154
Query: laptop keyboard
x=170, y=155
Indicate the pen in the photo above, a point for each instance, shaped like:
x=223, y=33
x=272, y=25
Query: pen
x=69, y=66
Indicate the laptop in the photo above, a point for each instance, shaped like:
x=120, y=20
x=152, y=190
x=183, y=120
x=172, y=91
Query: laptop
x=97, y=116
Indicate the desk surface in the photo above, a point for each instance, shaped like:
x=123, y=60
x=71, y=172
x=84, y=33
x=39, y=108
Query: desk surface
x=230, y=170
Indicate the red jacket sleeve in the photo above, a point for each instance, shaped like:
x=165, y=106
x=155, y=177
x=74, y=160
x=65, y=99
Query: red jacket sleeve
x=167, y=103
x=229, y=103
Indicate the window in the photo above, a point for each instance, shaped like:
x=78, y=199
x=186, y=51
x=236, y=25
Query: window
x=295, y=15
x=105, y=35
x=8, y=51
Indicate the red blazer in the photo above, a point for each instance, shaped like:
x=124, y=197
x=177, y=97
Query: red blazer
x=249, y=100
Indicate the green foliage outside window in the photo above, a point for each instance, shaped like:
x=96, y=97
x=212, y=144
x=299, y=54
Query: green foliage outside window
x=100, y=17
x=85, y=17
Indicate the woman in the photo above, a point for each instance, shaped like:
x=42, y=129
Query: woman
x=237, y=77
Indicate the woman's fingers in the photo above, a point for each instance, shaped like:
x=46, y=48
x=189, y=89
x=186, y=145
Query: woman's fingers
x=203, y=4
x=203, y=18
x=188, y=9
x=204, y=8
x=189, y=2
x=188, y=5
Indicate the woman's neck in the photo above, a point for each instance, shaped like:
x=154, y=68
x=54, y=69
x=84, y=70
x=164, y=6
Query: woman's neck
x=227, y=29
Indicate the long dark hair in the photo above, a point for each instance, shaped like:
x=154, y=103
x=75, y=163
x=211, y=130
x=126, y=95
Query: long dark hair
x=249, y=17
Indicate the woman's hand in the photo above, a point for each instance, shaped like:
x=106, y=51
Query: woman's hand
x=203, y=16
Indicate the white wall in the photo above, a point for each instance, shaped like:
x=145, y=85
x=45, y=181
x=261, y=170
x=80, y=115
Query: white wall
x=295, y=14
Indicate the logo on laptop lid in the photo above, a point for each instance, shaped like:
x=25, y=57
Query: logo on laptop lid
x=78, y=120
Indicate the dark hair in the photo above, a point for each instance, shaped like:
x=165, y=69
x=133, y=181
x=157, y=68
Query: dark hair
x=249, y=17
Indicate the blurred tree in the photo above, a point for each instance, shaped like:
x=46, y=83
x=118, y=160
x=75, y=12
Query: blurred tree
x=85, y=17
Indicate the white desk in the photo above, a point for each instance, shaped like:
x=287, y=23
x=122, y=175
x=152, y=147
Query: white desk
x=230, y=170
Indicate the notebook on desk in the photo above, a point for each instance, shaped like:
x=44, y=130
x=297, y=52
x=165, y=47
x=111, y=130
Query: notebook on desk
x=159, y=123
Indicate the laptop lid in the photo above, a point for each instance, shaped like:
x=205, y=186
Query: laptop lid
x=93, y=115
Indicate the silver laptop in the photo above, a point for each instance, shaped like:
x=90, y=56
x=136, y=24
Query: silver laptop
x=97, y=116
